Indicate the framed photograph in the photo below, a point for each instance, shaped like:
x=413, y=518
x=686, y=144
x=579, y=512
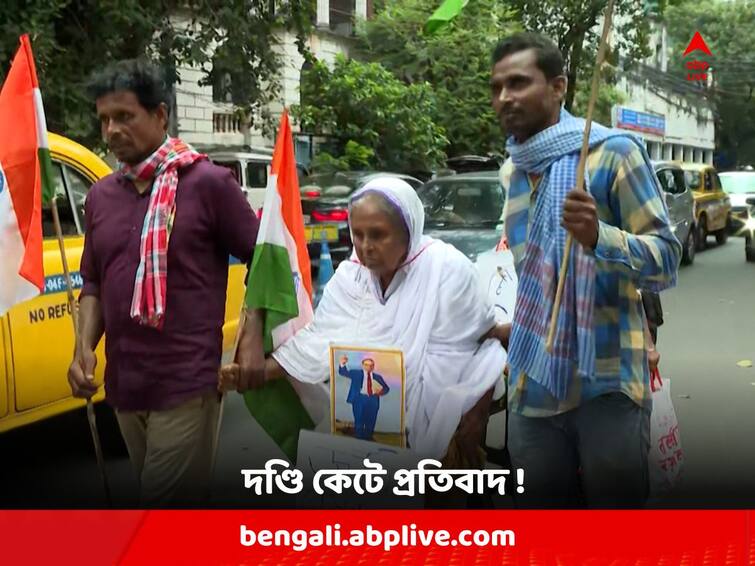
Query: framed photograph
x=367, y=387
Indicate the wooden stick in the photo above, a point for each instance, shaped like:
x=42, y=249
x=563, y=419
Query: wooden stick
x=581, y=169
x=239, y=330
x=77, y=337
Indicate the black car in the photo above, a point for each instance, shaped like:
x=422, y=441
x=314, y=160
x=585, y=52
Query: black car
x=325, y=200
x=465, y=210
x=474, y=163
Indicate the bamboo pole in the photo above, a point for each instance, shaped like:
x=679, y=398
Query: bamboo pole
x=77, y=336
x=239, y=330
x=581, y=169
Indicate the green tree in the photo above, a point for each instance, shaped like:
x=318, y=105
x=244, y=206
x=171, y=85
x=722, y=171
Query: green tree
x=73, y=38
x=375, y=119
x=575, y=27
x=728, y=28
x=608, y=96
x=455, y=61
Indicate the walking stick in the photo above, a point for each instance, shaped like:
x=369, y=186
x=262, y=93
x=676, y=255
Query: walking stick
x=77, y=337
x=580, y=169
x=242, y=322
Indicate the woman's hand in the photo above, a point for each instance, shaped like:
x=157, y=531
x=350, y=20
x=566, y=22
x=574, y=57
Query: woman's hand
x=500, y=332
x=472, y=428
x=235, y=377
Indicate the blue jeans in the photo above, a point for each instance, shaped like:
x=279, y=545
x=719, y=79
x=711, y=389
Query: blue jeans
x=595, y=454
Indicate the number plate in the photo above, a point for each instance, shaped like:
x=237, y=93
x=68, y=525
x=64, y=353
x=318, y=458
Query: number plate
x=316, y=232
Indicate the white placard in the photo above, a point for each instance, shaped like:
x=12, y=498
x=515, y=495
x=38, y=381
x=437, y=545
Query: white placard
x=318, y=451
x=499, y=282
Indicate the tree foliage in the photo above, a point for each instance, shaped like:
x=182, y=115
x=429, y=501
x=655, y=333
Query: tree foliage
x=728, y=28
x=574, y=25
x=383, y=122
x=73, y=38
x=456, y=61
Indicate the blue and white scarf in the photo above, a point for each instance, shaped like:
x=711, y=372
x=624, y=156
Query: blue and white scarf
x=554, y=155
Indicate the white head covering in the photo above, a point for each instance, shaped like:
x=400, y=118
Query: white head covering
x=404, y=199
x=435, y=312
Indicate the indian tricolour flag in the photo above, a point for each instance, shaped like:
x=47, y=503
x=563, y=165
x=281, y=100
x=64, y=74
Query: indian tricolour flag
x=280, y=284
x=25, y=180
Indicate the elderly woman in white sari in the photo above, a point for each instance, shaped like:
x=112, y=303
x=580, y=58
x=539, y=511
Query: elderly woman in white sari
x=404, y=290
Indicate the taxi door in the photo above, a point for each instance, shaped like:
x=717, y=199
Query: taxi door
x=41, y=329
x=723, y=204
x=4, y=367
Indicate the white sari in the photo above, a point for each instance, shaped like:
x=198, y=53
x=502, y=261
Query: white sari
x=434, y=311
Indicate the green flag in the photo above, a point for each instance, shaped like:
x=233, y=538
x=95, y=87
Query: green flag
x=444, y=14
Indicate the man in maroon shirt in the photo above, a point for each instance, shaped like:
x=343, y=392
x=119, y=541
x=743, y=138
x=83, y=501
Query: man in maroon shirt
x=159, y=234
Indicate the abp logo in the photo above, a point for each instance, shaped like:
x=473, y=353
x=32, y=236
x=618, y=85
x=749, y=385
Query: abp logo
x=697, y=70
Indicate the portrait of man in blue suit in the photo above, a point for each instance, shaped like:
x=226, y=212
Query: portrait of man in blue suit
x=364, y=395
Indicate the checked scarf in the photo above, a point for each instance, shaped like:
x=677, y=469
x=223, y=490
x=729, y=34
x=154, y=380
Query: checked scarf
x=148, y=302
x=553, y=154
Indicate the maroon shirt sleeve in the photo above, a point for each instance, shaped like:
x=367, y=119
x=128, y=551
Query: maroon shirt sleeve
x=88, y=269
x=236, y=223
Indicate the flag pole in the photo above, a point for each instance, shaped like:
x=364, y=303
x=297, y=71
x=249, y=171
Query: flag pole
x=75, y=318
x=581, y=169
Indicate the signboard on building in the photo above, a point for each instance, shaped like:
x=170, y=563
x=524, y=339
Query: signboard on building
x=628, y=119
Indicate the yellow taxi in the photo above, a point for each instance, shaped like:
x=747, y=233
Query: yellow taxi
x=712, y=204
x=36, y=337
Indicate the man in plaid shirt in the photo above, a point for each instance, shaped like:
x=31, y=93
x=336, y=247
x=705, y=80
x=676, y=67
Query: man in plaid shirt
x=579, y=423
x=159, y=234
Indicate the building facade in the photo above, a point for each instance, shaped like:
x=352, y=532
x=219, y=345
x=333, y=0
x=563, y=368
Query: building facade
x=668, y=111
x=208, y=122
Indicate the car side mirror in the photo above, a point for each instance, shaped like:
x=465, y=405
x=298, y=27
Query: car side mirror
x=751, y=201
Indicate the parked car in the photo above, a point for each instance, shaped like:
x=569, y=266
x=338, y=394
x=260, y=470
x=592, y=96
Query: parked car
x=324, y=201
x=681, y=207
x=712, y=204
x=739, y=185
x=465, y=210
x=251, y=169
x=36, y=336
x=474, y=163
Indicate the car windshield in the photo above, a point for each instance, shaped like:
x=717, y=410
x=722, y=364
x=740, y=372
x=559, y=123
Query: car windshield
x=694, y=180
x=462, y=202
x=738, y=183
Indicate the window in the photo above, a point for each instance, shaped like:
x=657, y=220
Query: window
x=666, y=177
x=221, y=85
x=463, y=202
x=66, y=214
x=716, y=181
x=342, y=16
x=679, y=184
x=693, y=180
x=78, y=187
x=234, y=168
x=256, y=174
x=708, y=181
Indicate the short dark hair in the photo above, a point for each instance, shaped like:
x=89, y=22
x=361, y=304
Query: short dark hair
x=141, y=77
x=549, y=59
